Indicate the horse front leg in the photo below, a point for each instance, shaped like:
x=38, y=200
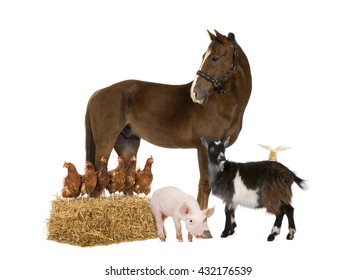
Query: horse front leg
x=204, y=189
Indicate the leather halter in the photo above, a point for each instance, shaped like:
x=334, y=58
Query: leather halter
x=217, y=83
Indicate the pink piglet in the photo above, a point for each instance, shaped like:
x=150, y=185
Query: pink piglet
x=172, y=202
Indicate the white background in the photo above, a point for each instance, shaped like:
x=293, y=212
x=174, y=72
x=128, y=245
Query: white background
x=55, y=54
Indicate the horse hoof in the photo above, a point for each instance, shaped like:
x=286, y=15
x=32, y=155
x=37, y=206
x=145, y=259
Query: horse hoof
x=207, y=234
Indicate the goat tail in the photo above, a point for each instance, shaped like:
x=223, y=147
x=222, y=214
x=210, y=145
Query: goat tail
x=301, y=183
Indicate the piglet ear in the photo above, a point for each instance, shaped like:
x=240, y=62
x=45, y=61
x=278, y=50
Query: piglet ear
x=226, y=142
x=184, y=209
x=209, y=212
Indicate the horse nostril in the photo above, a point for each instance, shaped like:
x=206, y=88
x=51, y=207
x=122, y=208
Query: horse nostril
x=197, y=98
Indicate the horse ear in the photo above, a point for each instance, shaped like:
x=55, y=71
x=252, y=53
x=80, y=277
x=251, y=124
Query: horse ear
x=212, y=36
x=219, y=36
x=203, y=141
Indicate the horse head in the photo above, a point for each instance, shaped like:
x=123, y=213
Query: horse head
x=218, y=66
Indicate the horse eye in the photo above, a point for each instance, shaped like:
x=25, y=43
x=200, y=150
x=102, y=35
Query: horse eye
x=214, y=58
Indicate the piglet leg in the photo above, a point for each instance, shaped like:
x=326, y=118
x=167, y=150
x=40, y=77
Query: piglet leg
x=159, y=217
x=178, y=227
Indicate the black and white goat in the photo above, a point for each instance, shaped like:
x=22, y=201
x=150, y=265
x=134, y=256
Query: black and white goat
x=262, y=184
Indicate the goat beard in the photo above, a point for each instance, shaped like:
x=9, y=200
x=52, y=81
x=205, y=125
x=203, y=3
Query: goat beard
x=221, y=165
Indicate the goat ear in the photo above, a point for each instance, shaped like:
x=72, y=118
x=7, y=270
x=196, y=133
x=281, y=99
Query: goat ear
x=266, y=147
x=282, y=148
x=203, y=141
x=184, y=209
x=226, y=142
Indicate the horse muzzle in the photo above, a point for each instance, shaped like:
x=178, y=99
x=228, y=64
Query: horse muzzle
x=200, y=100
x=198, y=97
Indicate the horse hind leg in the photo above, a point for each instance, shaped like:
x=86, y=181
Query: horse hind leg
x=103, y=149
x=127, y=146
x=105, y=137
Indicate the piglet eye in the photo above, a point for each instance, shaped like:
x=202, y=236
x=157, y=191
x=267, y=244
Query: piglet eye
x=190, y=221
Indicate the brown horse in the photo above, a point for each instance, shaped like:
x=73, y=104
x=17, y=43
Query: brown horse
x=174, y=116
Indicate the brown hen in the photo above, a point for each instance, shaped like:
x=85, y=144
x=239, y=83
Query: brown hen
x=144, y=178
x=117, y=177
x=89, y=179
x=103, y=178
x=72, y=182
x=130, y=176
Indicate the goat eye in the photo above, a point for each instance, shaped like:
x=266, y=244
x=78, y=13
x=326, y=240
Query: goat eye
x=212, y=149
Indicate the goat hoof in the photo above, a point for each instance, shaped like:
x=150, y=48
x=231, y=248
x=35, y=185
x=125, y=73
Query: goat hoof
x=227, y=233
x=270, y=237
x=291, y=233
x=290, y=236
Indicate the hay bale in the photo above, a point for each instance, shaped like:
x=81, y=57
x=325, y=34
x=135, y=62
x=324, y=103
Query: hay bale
x=101, y=221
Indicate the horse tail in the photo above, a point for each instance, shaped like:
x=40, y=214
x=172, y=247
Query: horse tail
x=89, y=139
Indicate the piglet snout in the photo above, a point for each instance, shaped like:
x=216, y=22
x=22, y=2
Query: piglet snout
x=199, y=236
